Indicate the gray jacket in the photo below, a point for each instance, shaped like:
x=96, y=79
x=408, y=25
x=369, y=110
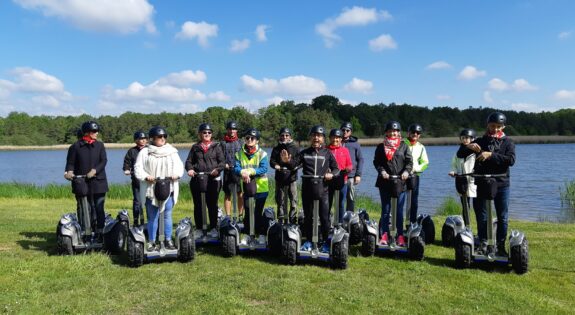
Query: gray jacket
x=356, y=157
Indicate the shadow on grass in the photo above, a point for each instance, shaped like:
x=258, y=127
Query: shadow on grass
x=40, y=241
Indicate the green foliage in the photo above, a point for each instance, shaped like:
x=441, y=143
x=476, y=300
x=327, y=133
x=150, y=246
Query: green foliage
x=568, y=194
x=449, y=206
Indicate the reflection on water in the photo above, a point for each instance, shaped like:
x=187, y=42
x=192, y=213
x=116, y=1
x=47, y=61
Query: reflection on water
x=540, y=172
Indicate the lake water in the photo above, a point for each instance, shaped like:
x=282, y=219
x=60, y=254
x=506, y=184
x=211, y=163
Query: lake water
x=538, y=176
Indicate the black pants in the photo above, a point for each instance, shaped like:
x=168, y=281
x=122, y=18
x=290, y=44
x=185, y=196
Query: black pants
x=97, y=213
x=136, y=204
x=211, y=202
x=307, y=201
x=291, y=194
x=259, y=227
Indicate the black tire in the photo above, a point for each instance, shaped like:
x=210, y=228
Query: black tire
x=115, y=240
x=520, y=257
x=416, y=248
x=339, y=253
x=135, y=253
x=447, y=237
x=187, y=251
x=462, y=254
x=289, y=252
x=229, y=244
x=355, y=234
x=368, y=245
x=65, y=245
x=429, y=230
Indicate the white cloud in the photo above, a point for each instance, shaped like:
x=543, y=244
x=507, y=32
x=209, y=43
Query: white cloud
x=565, y=95
x=298, y=85
x=183, y=78
x=487, y=97
x=470, y=73
x=219, y=96
x=438, y=65
x=356, y=16
x=497, y=84
x=154, y=92
x=261, y=32
x=564, y=35
x=103, y=15
x=443, y=97
x=202, y=31
x=383, y=42
x=239, y=45
x=526, y=107
x=523, y=85
x=519, y=85
x=359, y=85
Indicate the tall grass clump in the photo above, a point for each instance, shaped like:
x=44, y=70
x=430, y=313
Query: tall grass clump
x=568, y=194
x=449, y=206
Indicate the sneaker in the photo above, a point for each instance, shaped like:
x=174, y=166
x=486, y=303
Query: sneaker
x=262, y=239
x=151, y=247
x=325, y=248
x=169, y=244
x=306, y=246
x=482, y=249
x=213, y=233
x=501, y=251
x=401, y=241
x=383, y=240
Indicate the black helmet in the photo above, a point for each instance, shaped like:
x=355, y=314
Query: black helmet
x=285, y=130
x=336, y=133
x=346, y=125
x=90, y=126
x=204, y=126
x=392, y=125
x=139, y=135
x=415, y=128
x=467, y=132
x=158, y=131
x=317, y=129
x=253, y=132
x=497, y=117
x=231, y=125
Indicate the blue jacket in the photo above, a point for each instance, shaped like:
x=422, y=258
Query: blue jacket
x=356, y=157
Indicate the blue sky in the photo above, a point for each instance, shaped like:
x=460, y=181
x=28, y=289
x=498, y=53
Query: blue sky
x=106, y=57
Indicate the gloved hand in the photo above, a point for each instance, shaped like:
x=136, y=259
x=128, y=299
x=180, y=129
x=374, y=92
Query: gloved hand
x=91, y=173
x=404, y=175
x=127, y=172
x=384, y=175
x=69, y=175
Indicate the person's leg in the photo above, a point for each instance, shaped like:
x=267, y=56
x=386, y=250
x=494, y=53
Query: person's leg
x=330, y=193
x=502, y=209
x=480, y=208
x=292, y=192
x=307, y=203
x=99, y=200
x=399, y=213
x=350, y=195
x=136, y=204
x=246, y=215
x=227, y=196
x=414, y=201
x=240, y=199
x=324, y=216
x=280, y=199
x=342, y=202
x=152, y=214
x=168, y=222
x=385, y=198
x=212, y=196
x=260, y=228
x=197, y=199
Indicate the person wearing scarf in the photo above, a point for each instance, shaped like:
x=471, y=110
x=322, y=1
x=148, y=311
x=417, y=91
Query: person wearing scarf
x=345, y=165
x=231, y=145
x=392, y=157
x=87, y=156
x=252, y=165
x=158, y=160
x=206, y=156
x=283, y=160
x=420, y=164
x=141, y=140
x=495, y=154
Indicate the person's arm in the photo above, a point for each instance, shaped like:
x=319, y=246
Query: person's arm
x=408, y=166
x=102, y=160
x=220, y=158
x=423, y=160
x=507, y=158
x=178, y=166
x=359, y=159
x=70, y=158
x=237, y=165
x=127, y=166
x=274, y=157
x=262, y=168
x=348, y=164
x=139, y=171
x=189, y=165
x=377, y=158
x=333, y=164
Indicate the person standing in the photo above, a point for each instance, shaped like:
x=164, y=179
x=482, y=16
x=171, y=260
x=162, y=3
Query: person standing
x=463, y=162
x=87, y=156
x=141, y=140
x=420, y=164
x=495, y=154
x=354, y=177
x=159, y=160
x=345, y=166
x=206, y=156
x=231, y=145
x=283, y=159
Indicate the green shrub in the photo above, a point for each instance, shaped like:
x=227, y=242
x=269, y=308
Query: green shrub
x=449, y=206
x=568, y=194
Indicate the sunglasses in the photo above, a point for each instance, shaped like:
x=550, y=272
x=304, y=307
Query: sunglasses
x=346, y=130
x=160, y=137
x=207, y=132
x=249, y=138
x=285, y=135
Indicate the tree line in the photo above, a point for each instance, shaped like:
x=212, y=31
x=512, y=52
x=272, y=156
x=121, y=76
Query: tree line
x=368, y=120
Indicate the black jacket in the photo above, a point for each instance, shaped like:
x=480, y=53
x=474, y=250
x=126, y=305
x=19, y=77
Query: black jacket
x=400, y=162
x=503, y=157
x=130, y=160
x=317, y=162
x=275, y=159
x=208, y=161
x=82, y=157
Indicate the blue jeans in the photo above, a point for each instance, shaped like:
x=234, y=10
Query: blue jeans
x=342, y=201
x=153, y=218
x=385, y=196
x=414, y=201
x=502, y=209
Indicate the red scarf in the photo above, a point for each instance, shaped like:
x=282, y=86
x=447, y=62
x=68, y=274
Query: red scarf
x=333, y=147
x=498, y=135
x=205, y=145
x=88, y=139
x=230, y=138
x=250, y=150
x=412, y=142
x=391, y=145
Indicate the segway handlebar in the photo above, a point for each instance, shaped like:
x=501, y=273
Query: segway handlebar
x=312, y=176
x=77, y=176
x=481, y=175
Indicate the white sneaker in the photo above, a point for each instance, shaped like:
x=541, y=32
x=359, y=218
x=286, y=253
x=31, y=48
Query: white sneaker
x=262, y=239
x=213, y=233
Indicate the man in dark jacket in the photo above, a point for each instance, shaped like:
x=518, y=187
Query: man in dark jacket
x=141, y=140
x=284, y=159
x=87, y=156
x=231, y=145
x=354, y=177
x=495, y=155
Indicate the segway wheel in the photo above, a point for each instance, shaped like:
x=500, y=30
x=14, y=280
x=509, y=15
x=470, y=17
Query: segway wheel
x=447, y=235
x=355, y=234
x=368, y=245
x=229, y=244
x=340, y=253
x=428, y=228
x=65, y=245
x=135, y=253
x=462, y=254
x=114, y=240
x=289, y=252
x=416, y=248
x=187, y=251
x=520, y=257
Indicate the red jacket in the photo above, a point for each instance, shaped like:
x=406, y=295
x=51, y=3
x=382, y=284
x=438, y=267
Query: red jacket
x=343, y=159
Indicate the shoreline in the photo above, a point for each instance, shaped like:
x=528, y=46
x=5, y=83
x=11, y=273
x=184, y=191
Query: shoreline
x=363, y=142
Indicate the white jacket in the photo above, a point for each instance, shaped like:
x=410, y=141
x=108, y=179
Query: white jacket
x=465, y=166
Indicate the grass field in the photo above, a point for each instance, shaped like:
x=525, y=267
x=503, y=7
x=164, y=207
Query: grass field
x=33, y=279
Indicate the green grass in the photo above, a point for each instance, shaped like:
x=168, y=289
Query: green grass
x=449, y=206
x=568, y=194
x=33, y=279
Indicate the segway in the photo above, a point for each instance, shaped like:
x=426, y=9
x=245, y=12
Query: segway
x=352, y=223
x=415, y=245
x=424, y=220
x=185, y=246
x=465, y=250
x=74, y=232
x=338, y=237
x=202, y=236
x=455, y=224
